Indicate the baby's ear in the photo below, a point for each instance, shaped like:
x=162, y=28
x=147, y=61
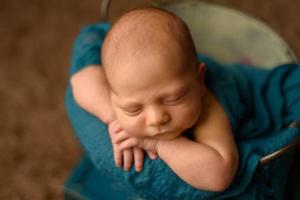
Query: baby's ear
x=201, y=76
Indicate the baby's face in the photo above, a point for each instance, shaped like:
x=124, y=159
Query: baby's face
x=156, y=101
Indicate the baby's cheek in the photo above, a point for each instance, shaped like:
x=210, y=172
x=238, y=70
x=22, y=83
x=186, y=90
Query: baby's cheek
x=190, y=115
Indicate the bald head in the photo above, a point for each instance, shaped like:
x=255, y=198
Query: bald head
x=147, y=32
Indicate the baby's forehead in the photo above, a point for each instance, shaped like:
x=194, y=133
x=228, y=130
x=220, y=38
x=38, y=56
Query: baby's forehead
x=142, y=29
x=157, y=62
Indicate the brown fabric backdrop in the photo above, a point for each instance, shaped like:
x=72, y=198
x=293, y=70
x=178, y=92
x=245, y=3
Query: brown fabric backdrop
x=37, y=147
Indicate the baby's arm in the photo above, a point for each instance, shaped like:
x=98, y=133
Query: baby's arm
x=91, y=92
x=209, y=162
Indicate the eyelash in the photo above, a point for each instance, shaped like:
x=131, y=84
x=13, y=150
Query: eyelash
x=175, y=101
x=133, y=113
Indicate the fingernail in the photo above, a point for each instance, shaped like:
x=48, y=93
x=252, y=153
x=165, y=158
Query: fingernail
x=139, y=169
x=153, y=157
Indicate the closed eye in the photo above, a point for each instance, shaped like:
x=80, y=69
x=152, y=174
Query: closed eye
x=175, y=100
x=132, y=111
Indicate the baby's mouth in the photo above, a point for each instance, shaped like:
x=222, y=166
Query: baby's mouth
x=163, y=133
x=158, y=133
x=166, y=136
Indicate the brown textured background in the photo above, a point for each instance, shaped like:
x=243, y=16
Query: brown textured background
x=37, y=147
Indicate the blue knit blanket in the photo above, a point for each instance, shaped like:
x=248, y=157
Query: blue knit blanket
x=259, y=103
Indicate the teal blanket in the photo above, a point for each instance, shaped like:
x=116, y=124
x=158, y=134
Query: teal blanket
x=259, y=103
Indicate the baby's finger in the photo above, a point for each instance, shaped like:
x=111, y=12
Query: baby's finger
x=152, y=155
x=127, y=159
x=138, y=155
x=112, y=133
x=121, y=136
x=113, y=128
x=129, y=143
x=117, y=127
x=118, y=156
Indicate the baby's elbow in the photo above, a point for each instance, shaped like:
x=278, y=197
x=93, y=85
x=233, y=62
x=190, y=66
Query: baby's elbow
x=223, y=175
x=226, y=174
x=216, y=185
x=221, y=184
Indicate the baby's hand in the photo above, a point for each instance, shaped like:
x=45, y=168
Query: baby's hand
x=125, y=141
x=127, y=156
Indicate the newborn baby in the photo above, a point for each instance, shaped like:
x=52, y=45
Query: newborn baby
x=152, y=90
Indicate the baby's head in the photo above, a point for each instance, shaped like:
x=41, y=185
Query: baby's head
x=156, y=84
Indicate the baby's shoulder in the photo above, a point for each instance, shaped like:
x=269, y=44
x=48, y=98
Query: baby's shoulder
x=212, y=118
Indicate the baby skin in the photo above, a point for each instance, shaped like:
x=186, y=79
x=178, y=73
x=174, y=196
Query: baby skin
x=151, y=89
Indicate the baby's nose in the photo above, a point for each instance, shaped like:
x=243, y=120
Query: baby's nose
x=157, y=117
